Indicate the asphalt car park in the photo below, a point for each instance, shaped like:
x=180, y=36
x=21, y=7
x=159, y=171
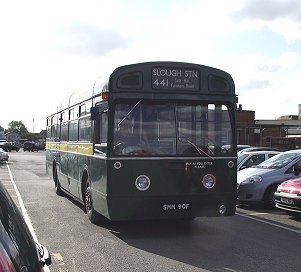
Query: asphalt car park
x=74, y=243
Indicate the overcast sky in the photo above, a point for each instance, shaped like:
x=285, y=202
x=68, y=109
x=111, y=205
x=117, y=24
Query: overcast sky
x=49, y=49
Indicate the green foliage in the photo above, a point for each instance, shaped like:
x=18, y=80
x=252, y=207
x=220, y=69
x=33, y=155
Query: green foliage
x=17, y=127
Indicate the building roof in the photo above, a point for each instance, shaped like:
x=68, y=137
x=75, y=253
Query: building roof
x=286, y=123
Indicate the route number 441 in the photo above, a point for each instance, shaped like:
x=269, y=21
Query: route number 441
x=161, y=83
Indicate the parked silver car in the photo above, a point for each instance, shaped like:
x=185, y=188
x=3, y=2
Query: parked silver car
x=259, y=183
x=248, y=159
x=3, y=155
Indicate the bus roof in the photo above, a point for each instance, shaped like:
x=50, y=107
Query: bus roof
x=195, y=78
x=134, y=76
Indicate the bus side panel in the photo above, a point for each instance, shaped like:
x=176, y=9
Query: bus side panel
x=49, y=163
x=52, y=155
x=99, y=184
x=176, y=189
x=73, y=168
x=63, y=170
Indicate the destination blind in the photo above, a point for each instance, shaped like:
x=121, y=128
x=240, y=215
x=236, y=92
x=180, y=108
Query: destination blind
x=175, y=79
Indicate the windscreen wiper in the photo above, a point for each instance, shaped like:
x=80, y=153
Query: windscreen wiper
x=128, y=113
x=200, y=150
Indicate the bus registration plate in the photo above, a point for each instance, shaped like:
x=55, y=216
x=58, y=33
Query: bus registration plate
x=176, y=206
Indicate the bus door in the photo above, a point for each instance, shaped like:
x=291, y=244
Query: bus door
x=63, y=154
x=99, y=115
x=73, y=151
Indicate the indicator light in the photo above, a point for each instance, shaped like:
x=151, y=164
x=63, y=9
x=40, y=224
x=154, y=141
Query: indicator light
x=105, y=95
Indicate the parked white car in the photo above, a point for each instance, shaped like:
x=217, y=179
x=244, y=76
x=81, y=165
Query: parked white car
x=3, y=155
x=248, y=159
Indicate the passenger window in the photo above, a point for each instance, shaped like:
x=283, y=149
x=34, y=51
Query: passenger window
x=257, y=159
x=101, y=131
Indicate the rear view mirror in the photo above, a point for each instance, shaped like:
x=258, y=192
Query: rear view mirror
x=96, y=110
x=95, y=115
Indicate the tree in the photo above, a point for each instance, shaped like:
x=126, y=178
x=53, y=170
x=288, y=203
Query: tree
x=17, y=127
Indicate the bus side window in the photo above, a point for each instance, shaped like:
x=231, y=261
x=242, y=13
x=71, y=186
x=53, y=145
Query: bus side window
x=64, y=127
x=104, y=127
x=100, y=133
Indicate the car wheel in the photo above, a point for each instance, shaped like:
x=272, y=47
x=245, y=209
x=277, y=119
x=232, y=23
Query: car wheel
x=89, y=208
x=57, y=185
x=269, y=198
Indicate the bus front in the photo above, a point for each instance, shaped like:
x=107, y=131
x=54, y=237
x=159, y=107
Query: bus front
x=166, y=154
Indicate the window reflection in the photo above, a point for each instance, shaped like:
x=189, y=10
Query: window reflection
x=171, y=129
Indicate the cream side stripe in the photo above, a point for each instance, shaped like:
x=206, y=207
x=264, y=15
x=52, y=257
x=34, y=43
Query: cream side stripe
x=80, y=148
x=24, y=211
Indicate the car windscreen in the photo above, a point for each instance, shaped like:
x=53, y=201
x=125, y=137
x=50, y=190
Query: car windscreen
x=241, y=157
x=279, y=161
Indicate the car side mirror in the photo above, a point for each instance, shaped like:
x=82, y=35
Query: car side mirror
x=44, y=254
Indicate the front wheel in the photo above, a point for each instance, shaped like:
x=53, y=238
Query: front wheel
x=89, y=208
x=269, y=198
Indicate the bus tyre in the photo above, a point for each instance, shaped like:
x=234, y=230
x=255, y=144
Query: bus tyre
x=57, y=185
x=89, y=208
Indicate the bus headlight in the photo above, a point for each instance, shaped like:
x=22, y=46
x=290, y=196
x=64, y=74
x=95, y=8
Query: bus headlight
x=209, y=181
x=142, y=183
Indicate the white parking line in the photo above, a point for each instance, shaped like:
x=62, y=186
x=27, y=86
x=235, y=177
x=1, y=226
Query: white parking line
x=24, y=211
x=259, y=213
x=270, y=223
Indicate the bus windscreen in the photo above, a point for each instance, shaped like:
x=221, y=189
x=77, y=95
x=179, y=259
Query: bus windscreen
x=170, y=129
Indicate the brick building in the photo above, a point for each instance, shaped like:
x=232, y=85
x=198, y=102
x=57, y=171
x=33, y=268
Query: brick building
x=283, y=132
